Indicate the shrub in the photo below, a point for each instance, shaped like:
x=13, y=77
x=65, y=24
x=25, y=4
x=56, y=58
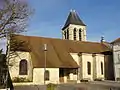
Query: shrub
x=51, y=86
x=83, y=80
x=20, y=79
x=98, y=79
x=118, y=79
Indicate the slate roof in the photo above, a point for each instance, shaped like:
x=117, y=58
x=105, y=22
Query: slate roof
x=117, y=40
x=58, y=53
x=73, y=18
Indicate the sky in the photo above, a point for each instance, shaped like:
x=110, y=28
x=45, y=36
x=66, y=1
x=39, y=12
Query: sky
x=102, y=18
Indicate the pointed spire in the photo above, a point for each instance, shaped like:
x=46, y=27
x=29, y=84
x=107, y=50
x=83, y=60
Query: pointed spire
x=73, y=18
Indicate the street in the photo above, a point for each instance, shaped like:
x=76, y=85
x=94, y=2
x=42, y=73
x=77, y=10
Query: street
x=95, y=85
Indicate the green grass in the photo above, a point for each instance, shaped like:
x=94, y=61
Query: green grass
x=51, y=86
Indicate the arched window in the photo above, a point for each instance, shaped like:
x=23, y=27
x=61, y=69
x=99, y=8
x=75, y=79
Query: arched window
x=89, y=68
x=67, y=33
x=80, y=37
x=47, y=75
x=23, y=67
x=74, y=32
x=102, y=68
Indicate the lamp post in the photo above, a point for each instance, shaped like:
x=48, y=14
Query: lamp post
x=45, y=52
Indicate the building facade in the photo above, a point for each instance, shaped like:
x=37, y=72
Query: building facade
x=70, y=59
x=116, y=58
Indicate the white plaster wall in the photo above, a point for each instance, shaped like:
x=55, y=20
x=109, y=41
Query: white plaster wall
x=14, y=65
x=38, y=75
x=70, y=33
x=65, y=79
x=83, y=28
x=71, y=28
x=75, y=57
x=54, y=75
x=99, y=59
x=75, y=77
x=117, y=71
x=116, y=52
x=115, y=56
x=87, y=58
x=116, y=46
x=71, y=76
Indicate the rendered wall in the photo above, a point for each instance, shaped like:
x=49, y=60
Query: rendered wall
x=75, y=57
x=99, y=59
x=95, y=61
x=71, y=35
x=87, y=58
x=14, y=65
x=38, y=75
x=116, y=57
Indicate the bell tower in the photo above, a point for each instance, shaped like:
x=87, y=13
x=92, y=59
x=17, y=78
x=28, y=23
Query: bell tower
x=74, y=28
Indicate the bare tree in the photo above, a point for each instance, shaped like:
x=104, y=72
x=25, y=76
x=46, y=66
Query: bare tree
x=14, y=15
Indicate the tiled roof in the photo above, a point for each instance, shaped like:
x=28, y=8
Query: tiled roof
x=58, y=50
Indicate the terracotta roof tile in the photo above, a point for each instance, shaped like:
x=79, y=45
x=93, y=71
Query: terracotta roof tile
x=58, y=53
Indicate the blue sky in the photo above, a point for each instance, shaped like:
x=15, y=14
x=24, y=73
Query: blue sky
x=102, y=17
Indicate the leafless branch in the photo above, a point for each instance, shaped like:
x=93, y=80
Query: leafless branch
x=13, y=17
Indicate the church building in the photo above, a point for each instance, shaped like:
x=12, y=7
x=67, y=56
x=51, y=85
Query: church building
x=41, y=60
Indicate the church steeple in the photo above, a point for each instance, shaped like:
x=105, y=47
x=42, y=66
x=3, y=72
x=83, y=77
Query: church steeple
x=74, y=28
x=73, y=18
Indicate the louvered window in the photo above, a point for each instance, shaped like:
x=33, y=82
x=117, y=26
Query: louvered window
x=80, y=37
x=67, y=34
x=74, y=33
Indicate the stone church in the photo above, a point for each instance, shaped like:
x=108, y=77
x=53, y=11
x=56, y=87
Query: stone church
x=41, y=60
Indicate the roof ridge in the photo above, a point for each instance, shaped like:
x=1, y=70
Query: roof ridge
x=57, y=39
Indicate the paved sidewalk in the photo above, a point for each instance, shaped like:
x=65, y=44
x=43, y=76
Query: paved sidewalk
x=30, y=87
x=93, y=85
